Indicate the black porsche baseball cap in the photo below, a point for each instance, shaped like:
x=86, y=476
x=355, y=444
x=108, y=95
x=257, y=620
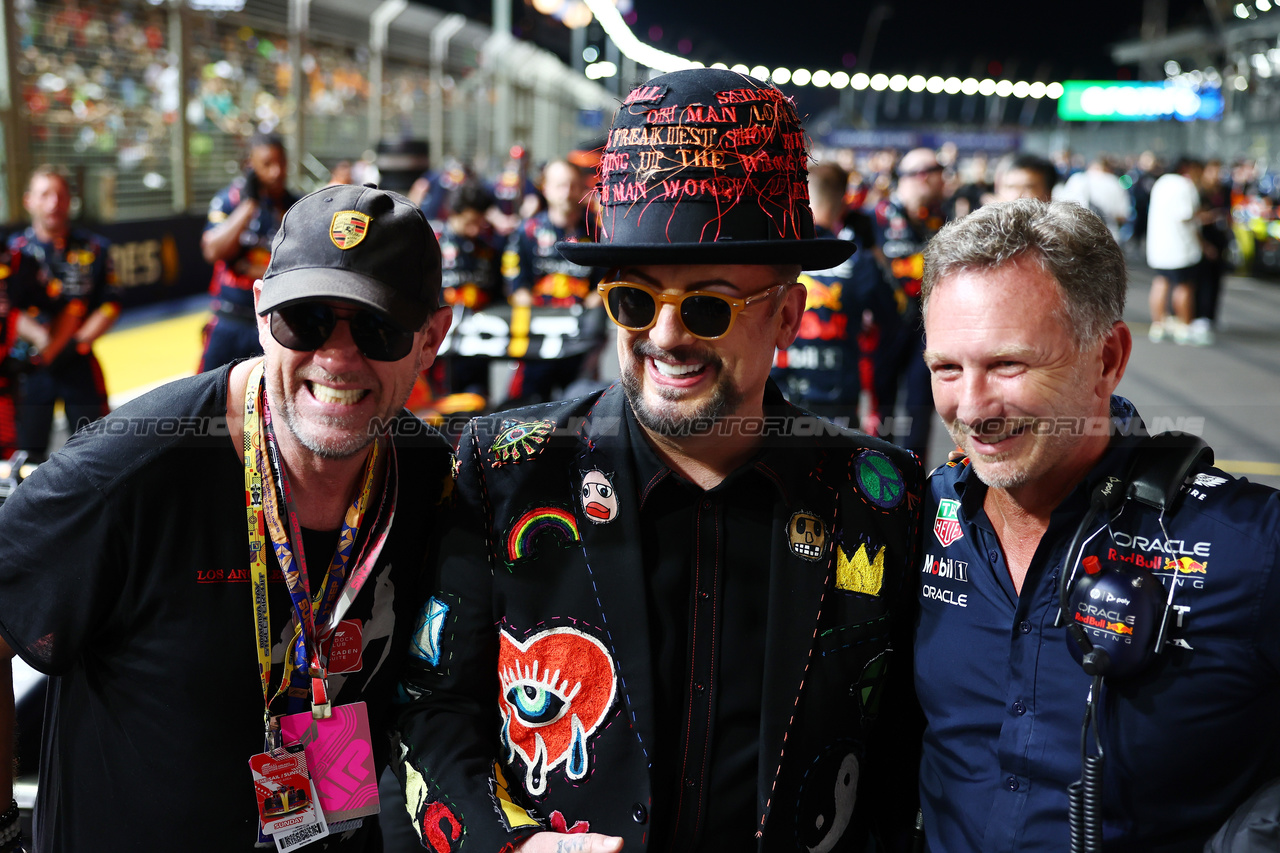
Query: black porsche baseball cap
x=360, y=244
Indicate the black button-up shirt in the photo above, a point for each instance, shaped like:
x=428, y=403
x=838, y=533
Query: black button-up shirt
x=707, y=555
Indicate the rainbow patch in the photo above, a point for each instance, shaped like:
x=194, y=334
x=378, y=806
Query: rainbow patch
x=540, y=521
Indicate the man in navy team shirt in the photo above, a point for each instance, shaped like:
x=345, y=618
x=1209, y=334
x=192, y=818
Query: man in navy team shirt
x=1025, y=345
x=243, y=219
x=72, y=303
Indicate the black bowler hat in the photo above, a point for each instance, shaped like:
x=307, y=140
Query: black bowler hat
x=706, y=166
x=360, y=244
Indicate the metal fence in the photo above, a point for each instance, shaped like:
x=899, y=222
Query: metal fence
x=148, y=103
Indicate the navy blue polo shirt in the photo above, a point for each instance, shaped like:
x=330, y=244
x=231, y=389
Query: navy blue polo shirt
x=1187, y=740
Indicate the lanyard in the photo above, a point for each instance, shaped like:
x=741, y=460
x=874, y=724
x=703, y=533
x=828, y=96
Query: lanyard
x=254, y=461
x=267, y=493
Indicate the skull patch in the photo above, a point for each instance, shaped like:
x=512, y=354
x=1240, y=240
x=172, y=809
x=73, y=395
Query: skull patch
x=807, y=535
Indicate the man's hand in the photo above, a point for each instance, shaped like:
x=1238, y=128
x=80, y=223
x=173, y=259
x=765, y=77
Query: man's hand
x=252, y=186
x=31, y=329
x=222, y=241
x=580, y=842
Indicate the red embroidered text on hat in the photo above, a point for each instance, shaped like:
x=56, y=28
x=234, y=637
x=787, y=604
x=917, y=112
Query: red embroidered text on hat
x=706, y=166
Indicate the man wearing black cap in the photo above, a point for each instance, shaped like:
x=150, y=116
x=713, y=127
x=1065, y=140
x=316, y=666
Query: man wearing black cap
x=162, y=565
x=673, y=602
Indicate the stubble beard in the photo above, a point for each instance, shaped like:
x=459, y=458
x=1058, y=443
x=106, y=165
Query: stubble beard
x=725, y=397
x=1036, y=460
x=345, y=443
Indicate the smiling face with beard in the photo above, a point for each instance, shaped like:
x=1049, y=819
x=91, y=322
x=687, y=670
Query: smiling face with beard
x=665, y=415
x=681, y=386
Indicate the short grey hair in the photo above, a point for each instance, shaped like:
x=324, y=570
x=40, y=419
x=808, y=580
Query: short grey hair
x=1069, y=242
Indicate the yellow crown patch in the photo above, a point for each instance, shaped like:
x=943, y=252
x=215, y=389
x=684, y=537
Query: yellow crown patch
x=860, y=574
x=348, y=228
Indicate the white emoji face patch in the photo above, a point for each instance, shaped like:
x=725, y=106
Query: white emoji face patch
x=599, y=500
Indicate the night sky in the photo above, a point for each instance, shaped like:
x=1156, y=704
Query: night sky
x=1017, y=40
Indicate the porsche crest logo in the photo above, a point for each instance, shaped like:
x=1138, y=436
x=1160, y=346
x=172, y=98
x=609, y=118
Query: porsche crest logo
x=348, y=229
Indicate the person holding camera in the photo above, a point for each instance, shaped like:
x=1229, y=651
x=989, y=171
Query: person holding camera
x=243, y=219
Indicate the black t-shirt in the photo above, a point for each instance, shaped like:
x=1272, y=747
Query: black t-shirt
x=124, y=572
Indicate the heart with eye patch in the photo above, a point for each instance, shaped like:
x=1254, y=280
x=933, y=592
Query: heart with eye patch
x=557, y=685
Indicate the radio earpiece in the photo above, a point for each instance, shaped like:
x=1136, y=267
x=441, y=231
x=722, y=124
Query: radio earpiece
x=1117, y=616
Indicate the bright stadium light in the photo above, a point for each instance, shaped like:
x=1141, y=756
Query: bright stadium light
x=859, y=81
x=898, y=82
x=1004, y=88
x=969, y=86
x=880, y=82
x=821, y=78
x=801, y=77
x=935, y=85
x=1037, y=90
x=1054, y=91
x=781, y=76
x=916, y=83
x=600, y=70
x=629, y=45
x=740, y=69
x=839, y=80
x=1021, y=89
x=987, y=87
x=760, y=72
x=952, y=86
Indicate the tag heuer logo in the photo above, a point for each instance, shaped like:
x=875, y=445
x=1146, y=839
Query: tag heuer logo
x=946, y=526
x=348, y=229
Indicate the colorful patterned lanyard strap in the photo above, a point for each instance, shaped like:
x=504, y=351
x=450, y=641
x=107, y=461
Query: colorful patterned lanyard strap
x=315, y=620
x=254, y=462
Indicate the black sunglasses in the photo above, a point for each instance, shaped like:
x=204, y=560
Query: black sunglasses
x=305, y=326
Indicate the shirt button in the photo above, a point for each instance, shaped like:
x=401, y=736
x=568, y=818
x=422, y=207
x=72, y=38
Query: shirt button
x=688, y=782
x=1011, y=783
x=699, y=687
x=1024, y=626
x=1019, y=708
x=702, y=593
x=639, y=813
x=994, y=555
x=706, y=504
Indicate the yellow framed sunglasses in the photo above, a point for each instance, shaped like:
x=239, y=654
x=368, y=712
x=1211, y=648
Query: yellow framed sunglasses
x=705, y=314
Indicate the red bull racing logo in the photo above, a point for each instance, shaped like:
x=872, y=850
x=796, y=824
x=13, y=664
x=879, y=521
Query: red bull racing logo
x=820, y=294
x=1103, y=620
x=1186, y=566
